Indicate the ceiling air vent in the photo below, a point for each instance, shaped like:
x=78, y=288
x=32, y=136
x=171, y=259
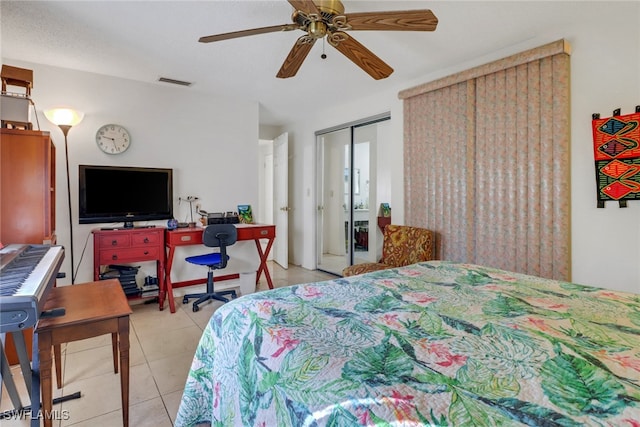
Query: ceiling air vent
x=174, y=81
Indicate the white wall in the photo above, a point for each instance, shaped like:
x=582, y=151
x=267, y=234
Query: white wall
x=210, y=143
x=605, y=73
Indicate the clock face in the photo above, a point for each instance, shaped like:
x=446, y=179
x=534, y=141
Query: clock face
x=113, y=139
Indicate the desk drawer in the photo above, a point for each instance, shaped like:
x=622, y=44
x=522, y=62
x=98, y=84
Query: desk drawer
x=115, y=241
x=184, y=236
x=129, y=255
x=251, y=233
x=142, y=239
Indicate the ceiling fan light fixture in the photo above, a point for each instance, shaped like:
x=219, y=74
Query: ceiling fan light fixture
x=317, y=29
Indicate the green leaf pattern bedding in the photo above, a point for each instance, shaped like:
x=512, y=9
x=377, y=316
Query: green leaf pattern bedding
x=435, y=343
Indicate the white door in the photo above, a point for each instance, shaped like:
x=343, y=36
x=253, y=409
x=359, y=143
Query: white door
x=281, y=199
x=333, y=190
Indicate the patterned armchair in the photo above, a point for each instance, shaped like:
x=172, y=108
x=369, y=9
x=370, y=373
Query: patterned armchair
x=402, y=245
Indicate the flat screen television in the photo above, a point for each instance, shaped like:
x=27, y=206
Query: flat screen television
x=124, y=194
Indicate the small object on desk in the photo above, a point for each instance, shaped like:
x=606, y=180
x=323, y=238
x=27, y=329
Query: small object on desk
x=191, y=200
x=221, y=218
x=245, y=214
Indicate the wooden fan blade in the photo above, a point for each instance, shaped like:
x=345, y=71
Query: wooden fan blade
x=306, y=6
x=360, y=55
x=408, y=20
x=296, y=57
x=244, y=33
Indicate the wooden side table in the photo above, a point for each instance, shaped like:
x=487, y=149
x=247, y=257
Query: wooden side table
x=92, y=309
x=383, y=221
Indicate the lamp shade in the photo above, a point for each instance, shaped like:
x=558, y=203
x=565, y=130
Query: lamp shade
x=64, y=116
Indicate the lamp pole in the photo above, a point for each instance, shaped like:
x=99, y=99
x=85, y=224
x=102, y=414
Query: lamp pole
x=65, y=131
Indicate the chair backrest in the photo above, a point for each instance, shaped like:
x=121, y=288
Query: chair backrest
x=405, y=245
x=219, y=235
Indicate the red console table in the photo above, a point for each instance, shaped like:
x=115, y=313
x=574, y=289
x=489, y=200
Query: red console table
x=124, y=246
x=193, y=236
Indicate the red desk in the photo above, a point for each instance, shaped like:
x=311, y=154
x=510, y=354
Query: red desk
x=193, y=236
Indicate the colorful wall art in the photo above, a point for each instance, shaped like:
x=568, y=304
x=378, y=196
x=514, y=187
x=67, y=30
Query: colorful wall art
x=616, y=146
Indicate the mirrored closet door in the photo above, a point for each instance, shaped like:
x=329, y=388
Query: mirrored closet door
x=347, y=200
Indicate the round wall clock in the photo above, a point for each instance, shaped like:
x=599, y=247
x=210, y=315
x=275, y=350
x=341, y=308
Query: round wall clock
x=113, y=139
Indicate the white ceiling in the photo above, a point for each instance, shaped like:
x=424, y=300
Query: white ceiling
x=145, y=40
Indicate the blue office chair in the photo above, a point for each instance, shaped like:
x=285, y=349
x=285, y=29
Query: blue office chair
x=213, y=236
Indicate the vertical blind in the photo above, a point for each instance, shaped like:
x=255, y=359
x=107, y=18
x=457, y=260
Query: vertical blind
x=487, y=166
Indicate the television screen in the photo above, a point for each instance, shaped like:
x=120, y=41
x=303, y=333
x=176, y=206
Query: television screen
x=124, y=194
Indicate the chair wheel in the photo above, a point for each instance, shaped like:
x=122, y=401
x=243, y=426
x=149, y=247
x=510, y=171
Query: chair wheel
x=195, y=308
x=185, y=300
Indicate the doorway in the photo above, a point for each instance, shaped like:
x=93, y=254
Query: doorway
x=273, y=195
x=347, y=197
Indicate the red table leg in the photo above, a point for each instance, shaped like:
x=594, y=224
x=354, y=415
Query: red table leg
x=263, y=262
x=167, y=289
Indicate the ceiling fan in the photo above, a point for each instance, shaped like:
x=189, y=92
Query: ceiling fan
x=322, y=18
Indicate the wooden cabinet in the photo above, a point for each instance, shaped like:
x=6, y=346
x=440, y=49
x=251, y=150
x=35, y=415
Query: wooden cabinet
x=27, y=187
x=125, y=246
x=27, y=197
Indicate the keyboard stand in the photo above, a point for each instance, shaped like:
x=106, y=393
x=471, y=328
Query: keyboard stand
x=30, y=373
x=27, y=374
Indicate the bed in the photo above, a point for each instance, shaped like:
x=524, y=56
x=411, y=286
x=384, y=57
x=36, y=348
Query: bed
x=435, y=343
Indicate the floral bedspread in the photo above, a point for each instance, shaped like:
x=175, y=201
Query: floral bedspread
x=435, y=343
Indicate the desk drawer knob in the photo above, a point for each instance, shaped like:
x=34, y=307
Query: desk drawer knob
x=114, y=257
x=146, y=252
x=114, y=243
x=146, y=240
x=264, y=232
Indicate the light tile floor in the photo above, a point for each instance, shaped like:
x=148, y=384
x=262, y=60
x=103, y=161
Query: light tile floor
x=162, y=347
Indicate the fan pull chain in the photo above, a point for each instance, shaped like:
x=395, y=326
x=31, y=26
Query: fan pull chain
x=324, y=55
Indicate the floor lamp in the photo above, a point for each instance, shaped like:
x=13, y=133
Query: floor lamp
x=65, y=119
